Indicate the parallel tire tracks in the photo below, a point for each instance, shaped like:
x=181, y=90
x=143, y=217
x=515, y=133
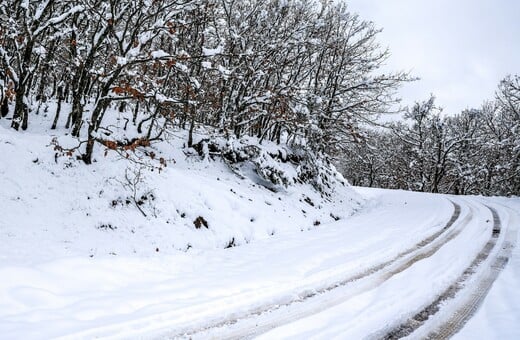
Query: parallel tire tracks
x=384, y=271
x=469, y=305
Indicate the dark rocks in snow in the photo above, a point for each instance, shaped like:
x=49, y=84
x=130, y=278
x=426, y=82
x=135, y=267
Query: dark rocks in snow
x=309, y=201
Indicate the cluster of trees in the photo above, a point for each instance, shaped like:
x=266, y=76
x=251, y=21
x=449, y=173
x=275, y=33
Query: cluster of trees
x=300, y=72
x=295, y=71
x=474, y=152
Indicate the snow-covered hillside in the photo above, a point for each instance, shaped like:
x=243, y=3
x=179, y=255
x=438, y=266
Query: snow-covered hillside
x=53, y=207
x=198, y=249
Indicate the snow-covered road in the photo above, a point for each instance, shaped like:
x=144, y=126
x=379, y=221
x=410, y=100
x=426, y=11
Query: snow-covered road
x=379, y=274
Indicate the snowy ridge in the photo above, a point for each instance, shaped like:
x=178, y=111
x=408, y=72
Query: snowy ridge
x=99, y=217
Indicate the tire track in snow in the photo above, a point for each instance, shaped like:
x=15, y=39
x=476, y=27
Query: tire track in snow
x=386, y=270
x=473, y=300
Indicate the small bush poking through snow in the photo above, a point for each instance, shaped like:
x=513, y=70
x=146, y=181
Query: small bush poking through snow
x=231, y=244
x=106, y=226
x=199, y=222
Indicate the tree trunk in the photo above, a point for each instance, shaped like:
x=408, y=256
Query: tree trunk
x=58, y=108
x=20, y=110
x=190, y=133
x=95, y=121
x=4, y=109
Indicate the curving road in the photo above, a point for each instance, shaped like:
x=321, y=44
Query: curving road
x=408, y=265
x=308, y=303
x=440, y=317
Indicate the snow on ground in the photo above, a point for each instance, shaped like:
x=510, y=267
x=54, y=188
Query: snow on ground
x=82, y=297
x=78, y=262
x=396, y=299
x=499, y=316
x=53, y=208
x=71, y=237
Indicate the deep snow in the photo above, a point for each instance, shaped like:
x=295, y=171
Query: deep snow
x=77, y=262
x=57, y=207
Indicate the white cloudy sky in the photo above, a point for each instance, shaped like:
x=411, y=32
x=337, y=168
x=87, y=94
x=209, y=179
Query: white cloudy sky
x=459, y=48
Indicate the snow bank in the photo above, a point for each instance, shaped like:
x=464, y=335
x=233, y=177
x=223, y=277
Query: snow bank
x=54, y=206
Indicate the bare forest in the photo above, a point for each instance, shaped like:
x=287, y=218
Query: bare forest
x=305, y=74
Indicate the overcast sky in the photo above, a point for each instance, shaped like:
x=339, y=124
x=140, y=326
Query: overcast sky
x=459, y=48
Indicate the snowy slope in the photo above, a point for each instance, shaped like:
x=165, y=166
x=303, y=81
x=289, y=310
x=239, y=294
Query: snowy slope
x=350, y=279
x=75, y=265
x=77, y=224
x=57, y=207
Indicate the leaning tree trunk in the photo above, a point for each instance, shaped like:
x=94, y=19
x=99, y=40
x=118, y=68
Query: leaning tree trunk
x=96, y=118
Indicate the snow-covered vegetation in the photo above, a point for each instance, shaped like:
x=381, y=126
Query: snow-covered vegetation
x=474, y=152
x=300, y=72
x=126, y=206
x=200, y=118
x=185, y=165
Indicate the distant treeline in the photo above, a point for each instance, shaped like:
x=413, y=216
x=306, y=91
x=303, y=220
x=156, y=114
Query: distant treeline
x=474, y=152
